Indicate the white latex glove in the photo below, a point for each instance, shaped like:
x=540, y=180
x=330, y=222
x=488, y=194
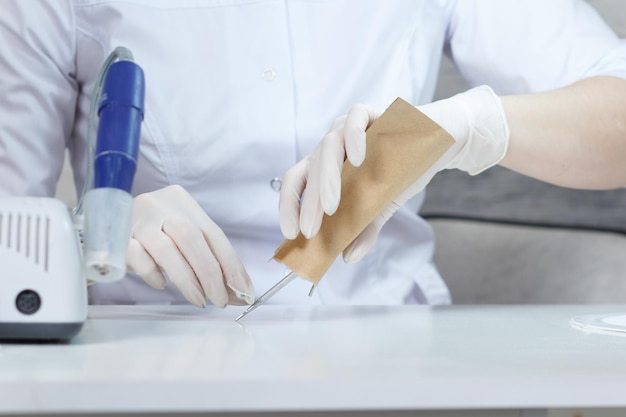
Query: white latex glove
x=475, y=119
x=173, y=235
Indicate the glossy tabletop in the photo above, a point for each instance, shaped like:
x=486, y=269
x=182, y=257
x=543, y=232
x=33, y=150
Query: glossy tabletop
x=183, y=359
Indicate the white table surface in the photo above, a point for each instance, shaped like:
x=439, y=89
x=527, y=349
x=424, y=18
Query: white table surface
x=183, y=359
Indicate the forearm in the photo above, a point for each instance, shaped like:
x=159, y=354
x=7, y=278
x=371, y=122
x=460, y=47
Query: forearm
x=573, y=137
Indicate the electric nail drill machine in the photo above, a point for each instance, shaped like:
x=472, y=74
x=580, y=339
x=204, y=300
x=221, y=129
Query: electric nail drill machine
x=49, y=253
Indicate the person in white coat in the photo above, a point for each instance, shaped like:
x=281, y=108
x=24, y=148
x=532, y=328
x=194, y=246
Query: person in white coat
x=240, y=92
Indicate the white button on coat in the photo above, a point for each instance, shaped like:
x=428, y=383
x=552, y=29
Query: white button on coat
x=269, y=74
x=276, y=184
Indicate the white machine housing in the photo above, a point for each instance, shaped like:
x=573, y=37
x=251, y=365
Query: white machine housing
x=43, y=291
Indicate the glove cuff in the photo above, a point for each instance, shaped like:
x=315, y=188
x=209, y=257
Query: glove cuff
x=476, y=120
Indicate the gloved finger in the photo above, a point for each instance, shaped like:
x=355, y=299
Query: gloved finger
x=236, y=279
x=234, y=298
x=362, y=244
x=357, y=121
x=142, y=264
x=198, y=256
x=311, y=211
x=332, y=155
x=359, y=247
x=163, y=250
x=294, y=182
x=210, y=254
x=238, y=283
x=419, y=185
x=347, y=139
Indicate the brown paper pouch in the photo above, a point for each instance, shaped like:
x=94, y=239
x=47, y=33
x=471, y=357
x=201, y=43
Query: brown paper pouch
x=401, y=145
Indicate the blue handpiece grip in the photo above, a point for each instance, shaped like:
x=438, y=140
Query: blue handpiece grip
x=120, y=112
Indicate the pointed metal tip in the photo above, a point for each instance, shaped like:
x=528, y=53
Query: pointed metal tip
x=268, y=294
x=246, y=311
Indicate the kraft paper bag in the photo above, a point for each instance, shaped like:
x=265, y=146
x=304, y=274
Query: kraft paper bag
x=402, y=144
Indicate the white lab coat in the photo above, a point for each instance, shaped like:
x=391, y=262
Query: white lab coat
x=238, y=91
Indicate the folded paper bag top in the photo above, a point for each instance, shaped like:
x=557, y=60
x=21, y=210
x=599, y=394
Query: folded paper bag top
x=402, y=144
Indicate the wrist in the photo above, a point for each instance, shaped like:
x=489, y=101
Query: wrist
x=477, y=122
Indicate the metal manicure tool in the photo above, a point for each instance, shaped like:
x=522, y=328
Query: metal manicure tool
x=269, y=294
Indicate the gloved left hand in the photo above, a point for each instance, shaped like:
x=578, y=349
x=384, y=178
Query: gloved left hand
x=475, y=119
x=173, y=235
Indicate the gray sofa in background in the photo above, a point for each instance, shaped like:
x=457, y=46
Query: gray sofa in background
x=504, y=238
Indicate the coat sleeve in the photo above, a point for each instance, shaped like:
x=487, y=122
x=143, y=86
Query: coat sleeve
x=38, y=94
x=532, y=45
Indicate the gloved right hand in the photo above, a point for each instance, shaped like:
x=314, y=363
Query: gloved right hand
x=475, y=119
x=173, y=235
